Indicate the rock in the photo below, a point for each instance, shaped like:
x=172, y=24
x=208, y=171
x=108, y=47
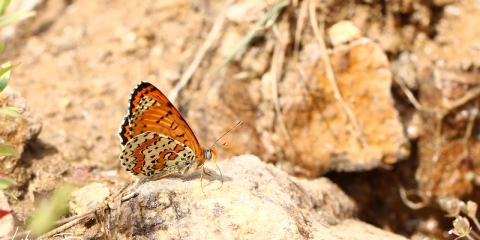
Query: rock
x=246, y=11
x=256, y=201
x=87, y=198
x=43, y=185
x=343, y=32
x=322, y=136
x=455, y=46
x=16, y=131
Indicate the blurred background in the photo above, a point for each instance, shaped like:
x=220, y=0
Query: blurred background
x=382, y=97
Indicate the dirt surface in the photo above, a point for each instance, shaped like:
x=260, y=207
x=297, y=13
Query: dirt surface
x=81, y=59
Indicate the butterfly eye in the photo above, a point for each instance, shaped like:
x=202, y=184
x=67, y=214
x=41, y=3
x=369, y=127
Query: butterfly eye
x=208, y=154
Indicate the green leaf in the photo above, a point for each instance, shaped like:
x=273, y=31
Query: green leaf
x=5, y=74
x=10, y=111
x=16, y=16
x=271, y=15
x=49, y=211
x=10, y=195
x=6, y=182
x=3, y=6
x=1, y=47
x=7, y=150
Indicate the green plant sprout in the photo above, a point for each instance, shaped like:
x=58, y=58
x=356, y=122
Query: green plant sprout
x=44, y=217
x=6, y=183
x=7, y=150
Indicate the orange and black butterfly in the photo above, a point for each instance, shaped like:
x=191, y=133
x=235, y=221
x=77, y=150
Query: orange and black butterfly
x=156, y=139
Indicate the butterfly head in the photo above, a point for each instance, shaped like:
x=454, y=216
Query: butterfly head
x=210, y=154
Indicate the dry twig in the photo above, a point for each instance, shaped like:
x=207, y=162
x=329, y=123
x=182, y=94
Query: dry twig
x=440, y=115
x=411, y=97
x=468, y=131
x=78, y=219
x=300, y=24
x=277, y=66
x=404, y=196
x=217, y=26
x=451, y=105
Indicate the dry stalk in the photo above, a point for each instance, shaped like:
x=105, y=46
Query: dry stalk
x=318, y=32
x=468, y=131
x=79, y=219
x=300, y=25
x=273, y=13
x=440, y=115
x=278, y=59
x=411, y=97
x=404, y=196
x=471, y=94
x=212, y=36
x=451, y=105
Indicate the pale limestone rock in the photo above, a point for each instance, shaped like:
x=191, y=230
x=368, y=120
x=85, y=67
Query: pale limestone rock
x=256, y=201
x=343, y=32
x=87, y=198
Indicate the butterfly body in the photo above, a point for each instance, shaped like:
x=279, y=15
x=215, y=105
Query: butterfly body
x=156, y=139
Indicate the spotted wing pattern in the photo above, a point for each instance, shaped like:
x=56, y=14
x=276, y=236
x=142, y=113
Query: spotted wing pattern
x=155, y=137
x=151, y=154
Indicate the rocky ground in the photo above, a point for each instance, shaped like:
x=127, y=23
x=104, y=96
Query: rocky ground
x=379, y=98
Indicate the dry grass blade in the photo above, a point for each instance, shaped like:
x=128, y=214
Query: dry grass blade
x=411, y=97
x=56, y=231
x=73, y=218
x=471, y=94
x=441, y=113
x=299, y=29
x=318, y=32
x=217, y=26
x=468, y=131
x=278, y=58
x=270, y=15
x=406, y=201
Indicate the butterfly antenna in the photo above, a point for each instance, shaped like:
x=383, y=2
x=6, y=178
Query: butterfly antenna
x=213, y=145
x=238, y=124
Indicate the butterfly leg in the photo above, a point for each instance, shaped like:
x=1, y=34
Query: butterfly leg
x=205, y=172
x=201, y=178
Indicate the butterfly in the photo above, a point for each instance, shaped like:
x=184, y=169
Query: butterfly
x=156, y=140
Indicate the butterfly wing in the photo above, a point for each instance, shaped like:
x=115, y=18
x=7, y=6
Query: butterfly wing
x=151, y=154
x=151, y=111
